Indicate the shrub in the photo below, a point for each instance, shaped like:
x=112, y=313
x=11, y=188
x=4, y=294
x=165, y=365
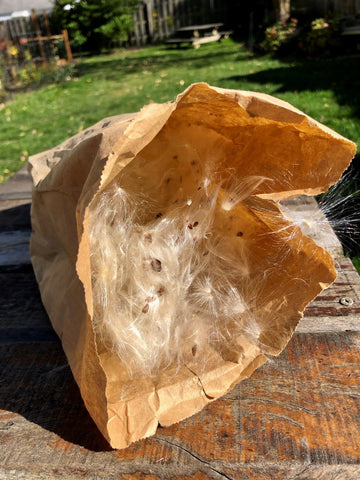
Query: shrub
x=94, y=24
x=323, y=36
x=277, y=35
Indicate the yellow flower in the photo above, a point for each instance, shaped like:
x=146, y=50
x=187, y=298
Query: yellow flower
x=13, y=51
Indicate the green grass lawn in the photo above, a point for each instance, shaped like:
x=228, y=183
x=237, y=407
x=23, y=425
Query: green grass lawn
x=328, y=90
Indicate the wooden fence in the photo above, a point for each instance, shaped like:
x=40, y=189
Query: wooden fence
x=34, y=33
x=155, y=20
x=26, y=43
x=25, y=26
x=346, y=7
x=324, y=7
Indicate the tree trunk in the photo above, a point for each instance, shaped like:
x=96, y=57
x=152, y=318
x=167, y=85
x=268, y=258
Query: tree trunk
x=282, y=10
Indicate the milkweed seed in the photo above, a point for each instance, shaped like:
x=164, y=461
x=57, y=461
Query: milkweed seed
x=161, y=291
x=156, y=265
x=148, y=237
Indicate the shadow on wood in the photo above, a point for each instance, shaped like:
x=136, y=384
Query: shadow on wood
x=35, y=379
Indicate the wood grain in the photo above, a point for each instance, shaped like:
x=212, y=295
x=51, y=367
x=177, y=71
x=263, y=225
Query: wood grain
x=297, y=417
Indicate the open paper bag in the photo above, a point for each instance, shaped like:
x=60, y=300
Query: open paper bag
x=164, y=261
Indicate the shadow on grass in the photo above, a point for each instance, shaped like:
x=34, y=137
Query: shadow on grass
x=167, y=58
x=341, y=75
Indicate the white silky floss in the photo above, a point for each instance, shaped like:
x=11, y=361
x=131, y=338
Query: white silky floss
x=163, y=290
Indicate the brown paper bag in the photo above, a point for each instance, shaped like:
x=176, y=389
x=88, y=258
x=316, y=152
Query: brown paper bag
x=234, y=152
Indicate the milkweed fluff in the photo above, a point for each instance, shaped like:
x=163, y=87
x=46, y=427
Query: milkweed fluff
x=164, y=286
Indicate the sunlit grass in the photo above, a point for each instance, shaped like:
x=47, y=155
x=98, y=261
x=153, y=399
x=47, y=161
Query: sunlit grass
x=126, y=80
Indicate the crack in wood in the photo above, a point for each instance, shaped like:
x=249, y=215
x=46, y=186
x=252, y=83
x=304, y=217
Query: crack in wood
x=298, y=474
x=204, y=462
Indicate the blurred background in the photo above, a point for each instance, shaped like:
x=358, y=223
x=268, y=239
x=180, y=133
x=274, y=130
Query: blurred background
x=66, y=64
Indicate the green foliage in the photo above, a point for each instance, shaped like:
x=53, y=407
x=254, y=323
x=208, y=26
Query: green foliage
x=94, y=24
x=323, y=36
x=116, y=30
x=356, y=262
x=276, y=35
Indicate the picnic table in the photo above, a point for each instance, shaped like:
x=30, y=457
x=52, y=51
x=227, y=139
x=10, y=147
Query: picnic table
x=198, y=34
x=298, y=416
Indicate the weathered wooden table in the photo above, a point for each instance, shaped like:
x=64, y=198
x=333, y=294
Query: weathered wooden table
x=297, y=417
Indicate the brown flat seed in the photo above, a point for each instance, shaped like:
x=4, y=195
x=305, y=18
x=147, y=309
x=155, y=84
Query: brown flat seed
x=194, y=350
x=195, y=224
x=190, y=226
x=148, y=237
x=156, y=265
x=161, y=291
x=146, y=308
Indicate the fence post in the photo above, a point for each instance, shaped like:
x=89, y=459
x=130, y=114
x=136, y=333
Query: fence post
x=38, y=35
x=46, y=23
x=137, y=28
x=149, y=11
x=142, y=29
x=67, y=46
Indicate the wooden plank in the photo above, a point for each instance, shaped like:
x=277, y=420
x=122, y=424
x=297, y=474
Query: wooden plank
x=37, y=31
x=338, y=307
x=208, y=26
x=299, y=413
x=210, y=38
x=354, y=30
x=65, y=36
x=164, y=28
x=305, y=212
x=195, y=41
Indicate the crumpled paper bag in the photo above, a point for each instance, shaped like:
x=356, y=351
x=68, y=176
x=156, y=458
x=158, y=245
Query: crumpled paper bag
x=247, y=134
